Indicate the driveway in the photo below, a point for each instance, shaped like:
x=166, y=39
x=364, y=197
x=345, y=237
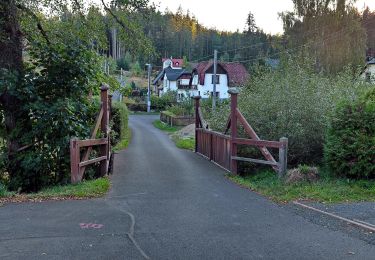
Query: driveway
x=167, y=203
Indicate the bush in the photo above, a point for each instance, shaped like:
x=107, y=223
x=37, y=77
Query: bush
x=350, y=142
x=183, y=108
x=136, y=69
x=292, y=101
x=119, y=122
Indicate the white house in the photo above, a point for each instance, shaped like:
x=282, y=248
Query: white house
x=174, y=78
x=227, y=75
x=368, y=73
x=200, y=81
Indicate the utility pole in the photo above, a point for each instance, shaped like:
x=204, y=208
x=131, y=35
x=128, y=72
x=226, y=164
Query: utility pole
x=149, y=88
x=214, y=81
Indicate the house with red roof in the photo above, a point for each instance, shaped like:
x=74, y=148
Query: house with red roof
x=200, y=80
x=173, y=78
x=228, y=74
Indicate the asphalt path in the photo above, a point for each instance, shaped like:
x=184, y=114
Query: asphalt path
x=167, y=203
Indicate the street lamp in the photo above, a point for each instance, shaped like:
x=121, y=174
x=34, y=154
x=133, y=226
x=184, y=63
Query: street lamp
x=149, y=87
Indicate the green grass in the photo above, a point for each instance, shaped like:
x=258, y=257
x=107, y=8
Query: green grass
x=123, y=144
x=164, y=127
x=327, y=190
x=184, y=143
x=169, y=113
x=86, y=189
x=143, y=113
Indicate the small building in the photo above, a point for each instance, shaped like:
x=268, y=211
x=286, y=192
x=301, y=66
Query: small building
x=227, y=75
x=173, y=78
x=368, y=73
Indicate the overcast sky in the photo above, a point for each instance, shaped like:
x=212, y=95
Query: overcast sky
x=231, y=15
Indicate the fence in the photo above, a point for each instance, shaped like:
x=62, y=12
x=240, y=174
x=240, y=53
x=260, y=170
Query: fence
x=222, y=148
x=77, y=163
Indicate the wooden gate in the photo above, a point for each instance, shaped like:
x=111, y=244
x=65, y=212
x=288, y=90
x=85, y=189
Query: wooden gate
x=77, y=163
x=221, y=148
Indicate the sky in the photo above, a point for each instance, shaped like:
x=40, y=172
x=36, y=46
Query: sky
x=231, y=15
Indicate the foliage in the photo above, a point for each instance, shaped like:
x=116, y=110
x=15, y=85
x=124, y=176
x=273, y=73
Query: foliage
x=292, y=101
x=85, y=189
x=327, y=190
x=164, y=127
x=350, y=142
x=125, y=62
x=136, y=69
x=55, y=95
x=163, y=102
x=184, y=107
x=119, y=122
x=180, y=34
x=184, y=143
x=326, y=31
x=62, y=70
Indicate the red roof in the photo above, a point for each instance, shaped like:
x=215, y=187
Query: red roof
x=236, y=72
x=176, y=62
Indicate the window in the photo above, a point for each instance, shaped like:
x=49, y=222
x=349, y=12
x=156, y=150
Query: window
x=217, y=94
x=181, y=96
x=217, y=79
x=368, y=76
x=199, y=93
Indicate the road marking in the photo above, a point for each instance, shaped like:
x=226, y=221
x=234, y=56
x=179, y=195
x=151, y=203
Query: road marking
x=361, y=224
x=90, y=225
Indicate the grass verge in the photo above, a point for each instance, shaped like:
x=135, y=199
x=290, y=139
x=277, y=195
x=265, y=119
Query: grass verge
x=86, y=189
x=184, y=143
x=326, y=190
x=140, y=113
x=164, y=127
x=124, y=142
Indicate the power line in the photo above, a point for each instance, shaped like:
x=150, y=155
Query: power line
x=282, y=41
x=334, y=35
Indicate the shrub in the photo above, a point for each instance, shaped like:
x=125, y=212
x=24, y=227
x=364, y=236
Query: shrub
x=136, y=69
x=292, y=101
x=350, y=143
x=119, y=122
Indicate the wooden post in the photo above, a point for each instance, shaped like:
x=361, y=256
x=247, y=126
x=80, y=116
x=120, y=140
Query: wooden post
x=74, y=160
x=110, y=107
x=283, y=156
x=233, y=128
x=104, y=128
x=197, y=99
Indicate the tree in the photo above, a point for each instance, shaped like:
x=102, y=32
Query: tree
x=251, y=26
x=44, y=99
x=326, y=31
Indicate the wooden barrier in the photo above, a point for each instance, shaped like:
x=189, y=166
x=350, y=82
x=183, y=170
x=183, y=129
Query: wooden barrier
x=78, y=164
x=222, y=148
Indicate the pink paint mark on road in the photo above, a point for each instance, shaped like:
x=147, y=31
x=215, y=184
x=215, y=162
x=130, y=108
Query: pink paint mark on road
x=90, y=225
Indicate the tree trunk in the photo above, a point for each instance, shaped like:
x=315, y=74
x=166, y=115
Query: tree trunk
x=10, y=64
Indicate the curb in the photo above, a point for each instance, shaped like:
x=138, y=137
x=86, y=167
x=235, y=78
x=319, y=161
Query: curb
x=355, y=222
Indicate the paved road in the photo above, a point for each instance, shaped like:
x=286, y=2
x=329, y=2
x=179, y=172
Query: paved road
x=167, y=203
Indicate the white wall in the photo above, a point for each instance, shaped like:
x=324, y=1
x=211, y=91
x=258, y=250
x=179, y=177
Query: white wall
x=207, y=88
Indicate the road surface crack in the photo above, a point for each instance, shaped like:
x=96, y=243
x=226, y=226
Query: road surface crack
x=130, y=234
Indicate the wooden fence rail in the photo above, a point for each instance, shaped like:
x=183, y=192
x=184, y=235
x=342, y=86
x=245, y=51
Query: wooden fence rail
x=222, y=148
x=77, y=163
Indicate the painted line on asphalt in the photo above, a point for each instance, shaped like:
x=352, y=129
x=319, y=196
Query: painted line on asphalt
x=361, y=224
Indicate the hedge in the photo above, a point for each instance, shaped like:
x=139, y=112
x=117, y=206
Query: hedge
x=119, y=122
x=350, y=142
